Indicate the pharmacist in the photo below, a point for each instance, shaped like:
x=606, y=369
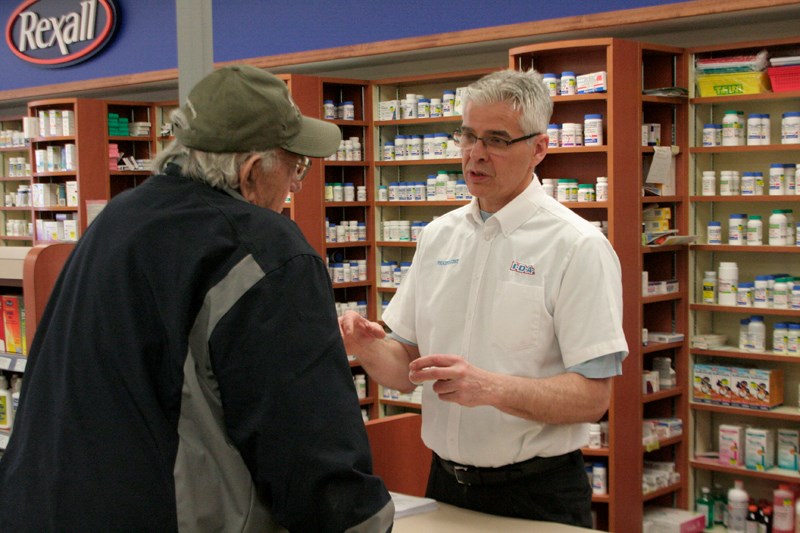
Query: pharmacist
x=511, y=317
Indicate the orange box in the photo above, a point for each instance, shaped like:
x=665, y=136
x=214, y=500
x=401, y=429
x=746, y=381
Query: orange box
x=766, y=387
x=13, y=318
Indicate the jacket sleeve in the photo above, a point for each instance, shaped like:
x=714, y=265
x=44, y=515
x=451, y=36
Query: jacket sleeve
x=290, y=405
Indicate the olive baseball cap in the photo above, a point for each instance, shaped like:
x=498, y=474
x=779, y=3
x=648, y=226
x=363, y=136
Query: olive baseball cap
x=241, y=108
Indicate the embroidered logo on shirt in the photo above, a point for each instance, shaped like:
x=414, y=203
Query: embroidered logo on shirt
x=446, y=262
x=516, y=266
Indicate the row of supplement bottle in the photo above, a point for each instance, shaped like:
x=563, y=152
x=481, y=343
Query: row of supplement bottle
x=359, y=306
x=348, y=271
x=568, y=83
x=12, y=139
x=749, y=230
x=345, y=110
x=402, y=230
x=754, y=131
x=345, y=231
x=392, y=273
x=768, y=290
x=435, y=188
x=569, y=190
x=753, y=336
x=741, y=513
x=345, y=192
x=781, y=180
x=419, y=147
x=420, y=106
x=571, y=134
x=349, y=150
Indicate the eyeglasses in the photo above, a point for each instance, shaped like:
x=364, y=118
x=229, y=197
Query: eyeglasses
x=302, y=166
x=467, y=140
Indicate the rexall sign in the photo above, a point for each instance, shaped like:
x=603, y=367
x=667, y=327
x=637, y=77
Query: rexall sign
x=59, y=33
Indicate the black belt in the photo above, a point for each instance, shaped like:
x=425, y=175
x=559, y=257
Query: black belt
x=475, y=475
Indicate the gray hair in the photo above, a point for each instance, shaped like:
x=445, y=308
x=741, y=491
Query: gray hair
x=525, y=91
x=219, y=170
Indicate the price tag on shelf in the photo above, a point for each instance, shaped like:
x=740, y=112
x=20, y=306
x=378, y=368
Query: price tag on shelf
x=21, y=364
x=3, y=440
x=5, y=362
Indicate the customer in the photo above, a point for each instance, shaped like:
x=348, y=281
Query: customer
x=511, y=316
x=188, y=372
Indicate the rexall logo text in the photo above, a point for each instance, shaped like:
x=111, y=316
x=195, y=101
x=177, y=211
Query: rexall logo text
x=58, y=33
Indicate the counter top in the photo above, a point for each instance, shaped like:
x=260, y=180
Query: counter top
x=450, y=519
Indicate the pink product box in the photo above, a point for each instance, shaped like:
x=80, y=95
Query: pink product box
x=731, y=445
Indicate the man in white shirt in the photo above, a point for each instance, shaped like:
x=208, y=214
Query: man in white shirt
x=511, y=316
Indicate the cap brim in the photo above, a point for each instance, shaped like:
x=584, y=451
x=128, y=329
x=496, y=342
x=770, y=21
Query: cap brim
x=316, y=138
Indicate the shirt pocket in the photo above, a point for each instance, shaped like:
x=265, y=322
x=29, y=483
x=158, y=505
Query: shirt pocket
x=517, y=314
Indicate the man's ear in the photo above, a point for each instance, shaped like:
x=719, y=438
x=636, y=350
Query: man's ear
x=246, y=179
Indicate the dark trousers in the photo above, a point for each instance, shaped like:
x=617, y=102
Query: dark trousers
x=561, y=494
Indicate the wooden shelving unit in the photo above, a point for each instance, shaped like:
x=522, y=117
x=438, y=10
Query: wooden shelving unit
x=631, y=67
x=91, y=158
x=751, y=260
x=16, y=225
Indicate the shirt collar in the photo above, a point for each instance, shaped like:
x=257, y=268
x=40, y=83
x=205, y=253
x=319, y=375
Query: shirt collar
x=516, y=212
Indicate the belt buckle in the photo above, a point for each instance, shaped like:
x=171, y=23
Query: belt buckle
x=459, y=469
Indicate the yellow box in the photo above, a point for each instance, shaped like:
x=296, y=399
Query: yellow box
x=732, y=83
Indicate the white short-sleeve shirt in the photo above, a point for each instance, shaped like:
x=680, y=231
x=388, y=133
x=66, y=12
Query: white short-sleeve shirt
x=533, y=290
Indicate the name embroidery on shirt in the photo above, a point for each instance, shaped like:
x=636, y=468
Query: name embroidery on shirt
x=447, y=262
x=522, y=268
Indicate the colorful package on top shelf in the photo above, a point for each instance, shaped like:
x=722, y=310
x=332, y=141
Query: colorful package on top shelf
x=725, y=76
x=784, y=73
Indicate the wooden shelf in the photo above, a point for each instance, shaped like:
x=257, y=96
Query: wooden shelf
x=779, y=475
x=747, y=310
x=399, y=403
x=418, y=162
x=396, y=244
x=743, y=149
x=753, y=356
x=766, y=198
x=648, y=496
x=423, y=203
x=791, y=414
x=662, y=394
x=745, y=249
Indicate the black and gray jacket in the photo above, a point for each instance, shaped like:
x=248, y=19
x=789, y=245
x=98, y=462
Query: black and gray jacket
x=188, y=374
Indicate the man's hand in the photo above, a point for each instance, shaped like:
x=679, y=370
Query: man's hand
x=358, y=333
x=455, y=379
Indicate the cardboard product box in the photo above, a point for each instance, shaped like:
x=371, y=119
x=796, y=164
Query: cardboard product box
x=723, y=388
x=594, y=82
x=67, y=123
x=788, y=445
x=72, y=193
x=54, y=158
x=2, y=329
x=44, y=194
x=731, y=445
x=50, y=229
x=55, y=124
x=669, y=520
x=70, y=230
x=703, y=380
x=740, y=385
x=389, y=110
x=759, y=448
x=766, y=387
x=14, y=323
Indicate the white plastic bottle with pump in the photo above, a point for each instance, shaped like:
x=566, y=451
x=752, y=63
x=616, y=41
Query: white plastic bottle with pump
x=6, y=409
x=738, y=501
x=783, y=510
x=727, y=283
x=15, y=396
